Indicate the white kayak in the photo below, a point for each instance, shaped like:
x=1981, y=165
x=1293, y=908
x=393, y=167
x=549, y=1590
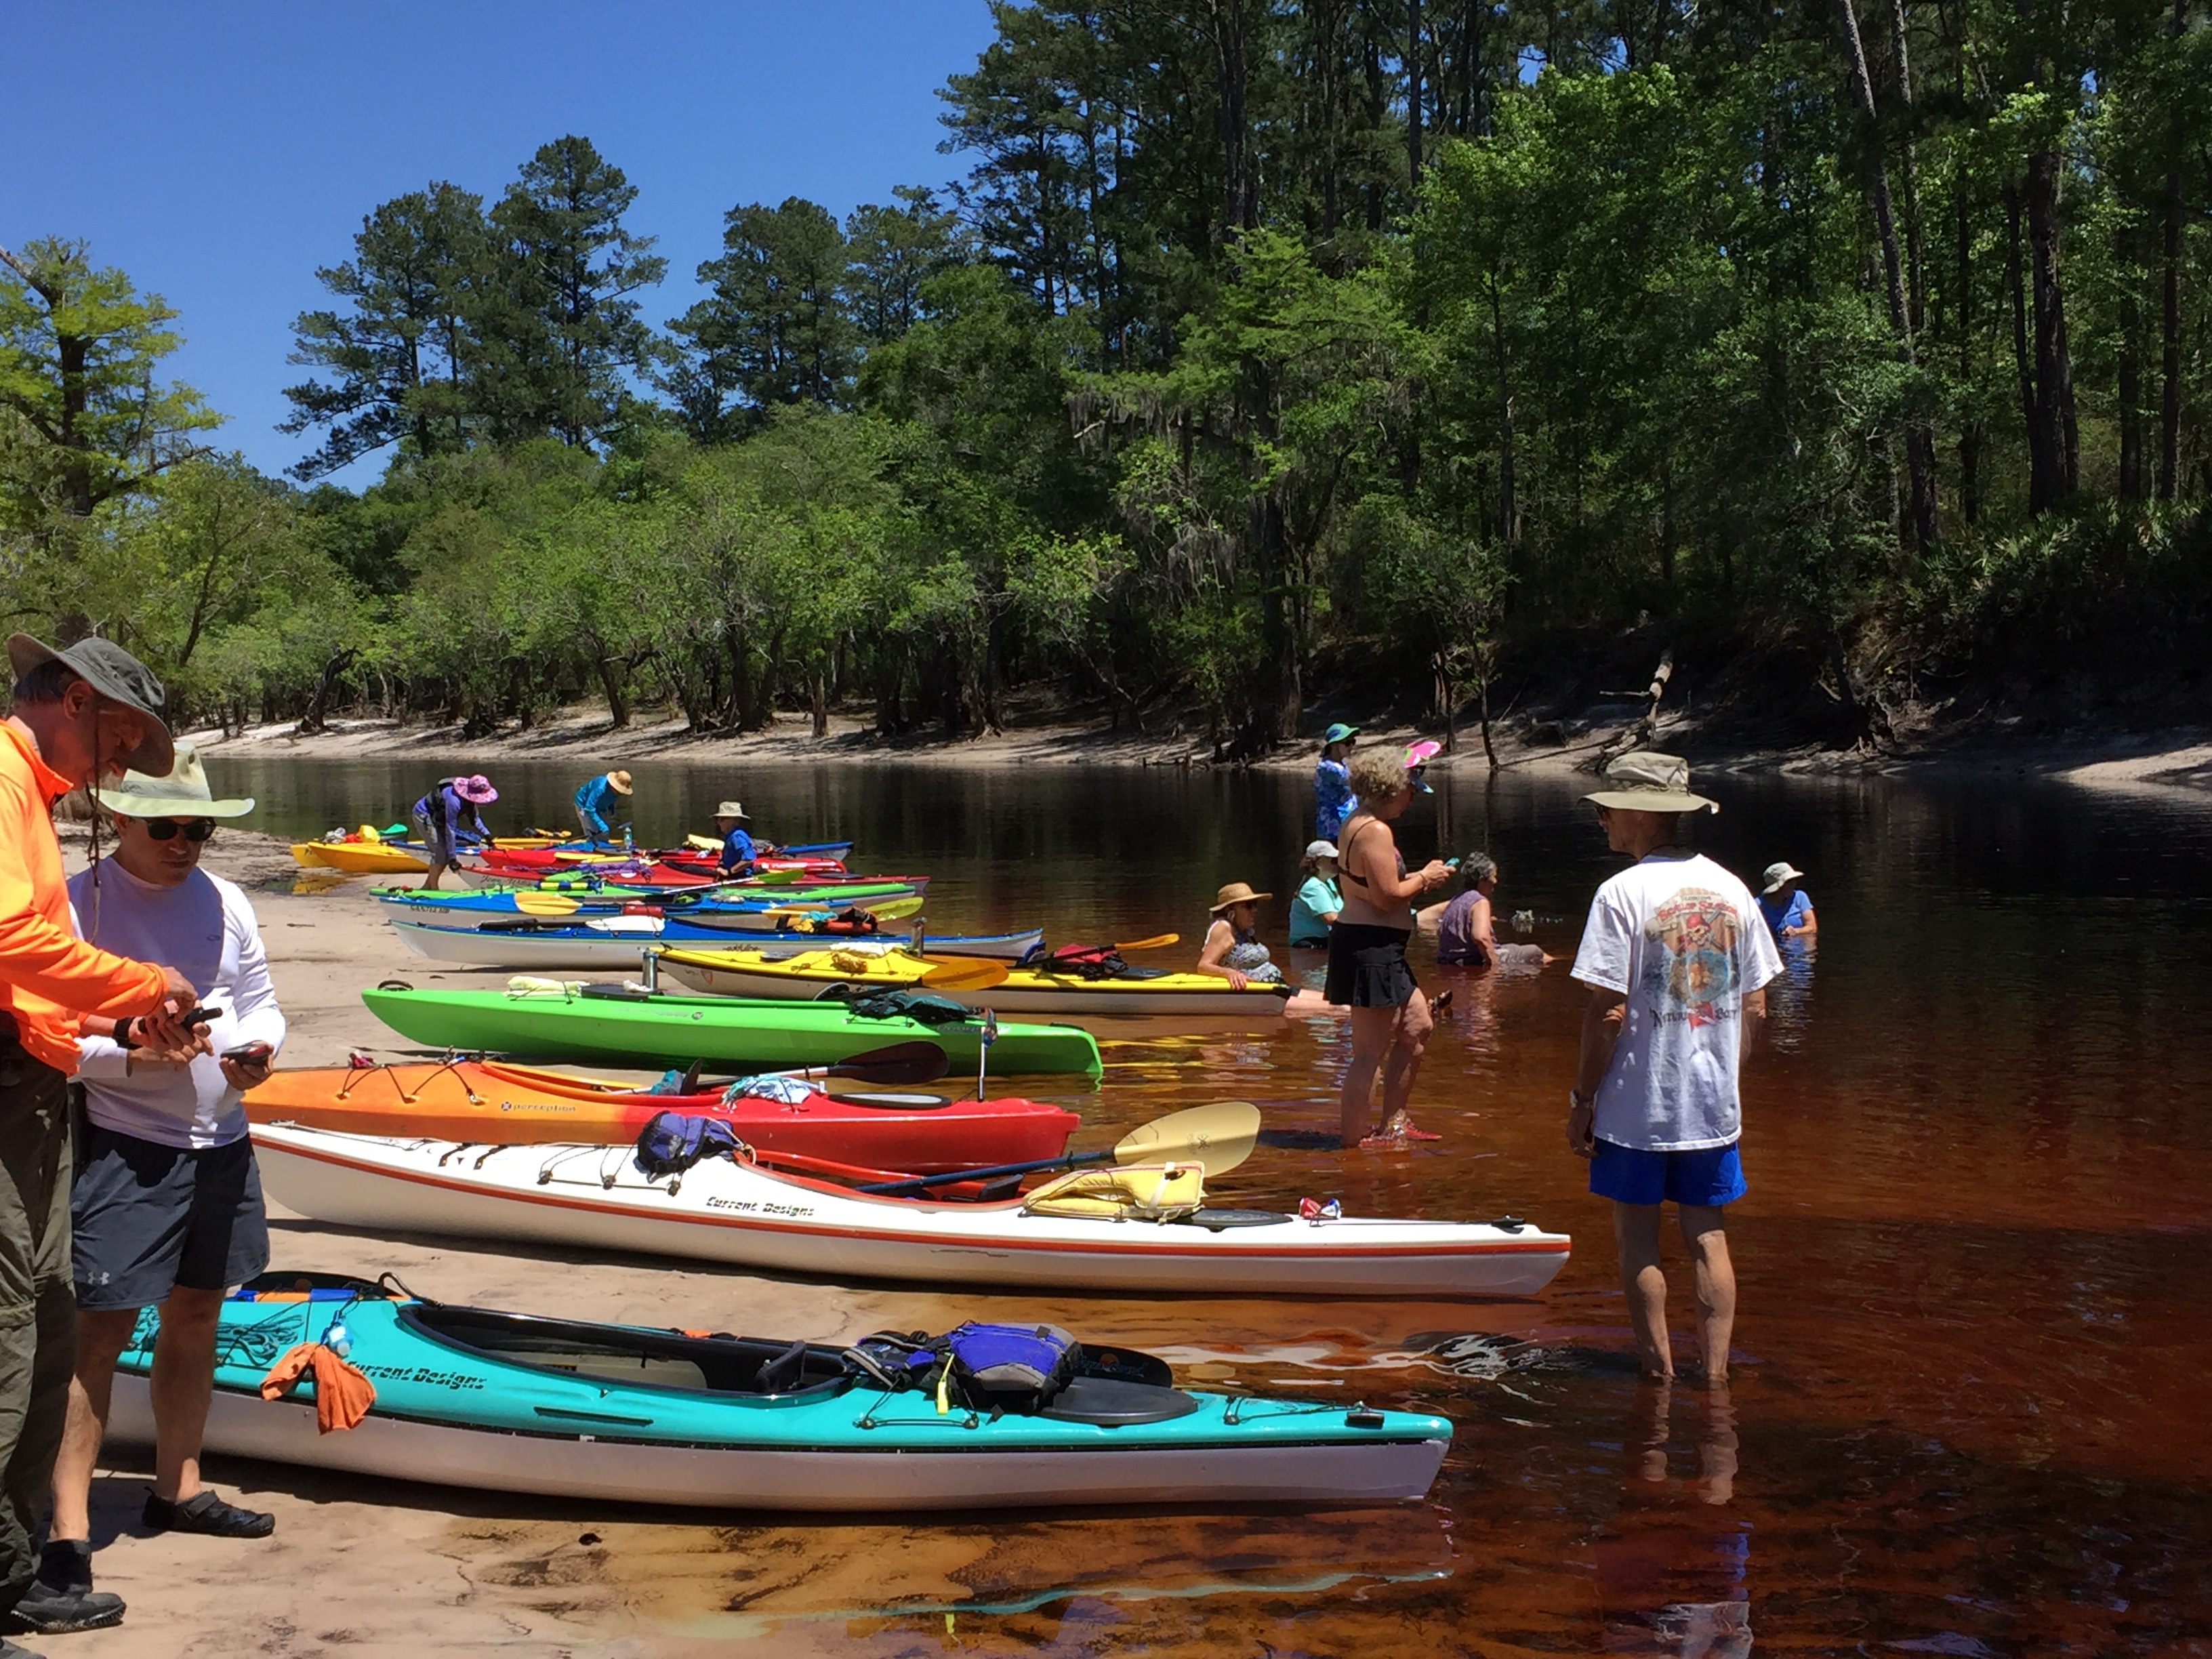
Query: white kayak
x=596, y=1197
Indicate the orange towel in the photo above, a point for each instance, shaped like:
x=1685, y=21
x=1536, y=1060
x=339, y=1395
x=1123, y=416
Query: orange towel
x=342, y=1394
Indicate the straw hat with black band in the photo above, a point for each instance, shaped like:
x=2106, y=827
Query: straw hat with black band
x=1236, y=892
x=116, y=675
x=1645, y=780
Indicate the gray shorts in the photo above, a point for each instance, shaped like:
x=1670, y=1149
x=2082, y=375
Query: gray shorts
x=149, y=1218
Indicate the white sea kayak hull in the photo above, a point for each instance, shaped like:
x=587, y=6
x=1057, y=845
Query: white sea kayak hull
x=738, y=1478
x=596, y=1198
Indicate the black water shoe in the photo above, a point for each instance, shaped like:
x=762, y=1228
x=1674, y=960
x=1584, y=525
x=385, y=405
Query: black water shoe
x=203, y=1512
x=61, y=1597
x=14, y=1651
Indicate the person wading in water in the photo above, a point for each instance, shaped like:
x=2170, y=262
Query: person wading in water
x=1367, y=969
x=1675, y=955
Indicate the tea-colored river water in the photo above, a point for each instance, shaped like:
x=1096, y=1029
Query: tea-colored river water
x=1969, y=1413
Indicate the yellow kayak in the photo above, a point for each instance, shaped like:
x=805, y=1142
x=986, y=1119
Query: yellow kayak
x=805, y=974
x=360, y=858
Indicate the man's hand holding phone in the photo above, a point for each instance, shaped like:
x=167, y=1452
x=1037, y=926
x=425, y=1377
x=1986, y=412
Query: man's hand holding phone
x=247, y=1067
x=177, y=1031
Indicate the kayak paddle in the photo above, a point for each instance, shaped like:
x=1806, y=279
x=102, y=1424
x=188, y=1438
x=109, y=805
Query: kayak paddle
x=1218, y=1138
x=1157, y=942
x=965, y=973
x=896, y=910
x=531, y=902
x=918, y=1061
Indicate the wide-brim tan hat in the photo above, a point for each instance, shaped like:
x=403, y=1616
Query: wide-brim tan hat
x=730, y=809
x=183, y=794
x=116, y=675
x=1645, y=780
x=1779, y=875
x=1236, y=892
x=620, y=782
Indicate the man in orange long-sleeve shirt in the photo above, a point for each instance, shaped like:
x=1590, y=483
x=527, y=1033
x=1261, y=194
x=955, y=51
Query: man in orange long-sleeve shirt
x=80, y=716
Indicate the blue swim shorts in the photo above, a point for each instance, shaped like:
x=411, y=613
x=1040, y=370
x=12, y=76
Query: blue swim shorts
x=1711, y=1177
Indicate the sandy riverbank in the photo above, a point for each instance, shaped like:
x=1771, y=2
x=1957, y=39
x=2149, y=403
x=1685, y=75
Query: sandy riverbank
x=2157, y=763
x=379, y=1568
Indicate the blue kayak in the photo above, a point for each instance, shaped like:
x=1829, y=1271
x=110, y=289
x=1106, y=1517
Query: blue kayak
x=509, y=1402
x=614, y=943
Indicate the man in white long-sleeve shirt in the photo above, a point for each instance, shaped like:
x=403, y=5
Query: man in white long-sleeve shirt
x=167, y=1203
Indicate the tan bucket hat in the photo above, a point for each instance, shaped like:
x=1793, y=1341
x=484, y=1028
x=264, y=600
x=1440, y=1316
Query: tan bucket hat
x=620, y=782
x=1236, y=892
x=730, y=809
x=1644, y=781
x=185, y=794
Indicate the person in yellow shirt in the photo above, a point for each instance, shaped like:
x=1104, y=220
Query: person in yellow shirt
x=80, y=716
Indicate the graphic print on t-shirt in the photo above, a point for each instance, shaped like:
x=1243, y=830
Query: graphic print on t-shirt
x=1691, y=977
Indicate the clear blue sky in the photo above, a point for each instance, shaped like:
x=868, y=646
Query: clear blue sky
x=220, y=151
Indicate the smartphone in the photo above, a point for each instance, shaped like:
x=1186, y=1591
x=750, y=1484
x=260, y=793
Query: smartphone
x=199, y=1017
x=252, y=1053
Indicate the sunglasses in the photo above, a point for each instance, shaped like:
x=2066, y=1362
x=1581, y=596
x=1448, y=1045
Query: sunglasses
x=192, y=829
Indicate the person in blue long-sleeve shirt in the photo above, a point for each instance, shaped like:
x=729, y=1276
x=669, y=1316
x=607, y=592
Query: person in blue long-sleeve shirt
x=738, y=849
x=597, y=798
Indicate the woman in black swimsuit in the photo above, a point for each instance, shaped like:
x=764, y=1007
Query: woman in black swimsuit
x=1367, y=969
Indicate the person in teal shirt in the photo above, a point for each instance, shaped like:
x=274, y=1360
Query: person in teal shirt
x=1318, y=898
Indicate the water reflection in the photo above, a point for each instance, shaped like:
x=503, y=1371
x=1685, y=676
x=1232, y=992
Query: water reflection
x=1972, y=1348
x=1673, y=1578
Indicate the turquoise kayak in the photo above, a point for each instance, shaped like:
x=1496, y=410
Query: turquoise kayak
x=477, y=1398
x=610, y=1023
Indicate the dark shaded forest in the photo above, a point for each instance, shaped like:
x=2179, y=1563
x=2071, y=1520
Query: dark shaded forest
x=1858, y=354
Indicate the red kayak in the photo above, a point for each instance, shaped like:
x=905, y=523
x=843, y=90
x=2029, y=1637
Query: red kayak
x=655, y=869
x=491, y=1103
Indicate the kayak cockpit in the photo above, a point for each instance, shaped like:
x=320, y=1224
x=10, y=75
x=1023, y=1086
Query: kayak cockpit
x=615, y=1353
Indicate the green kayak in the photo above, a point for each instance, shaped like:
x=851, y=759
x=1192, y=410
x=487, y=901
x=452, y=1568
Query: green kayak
x=608, y=1022
x=477, y=1397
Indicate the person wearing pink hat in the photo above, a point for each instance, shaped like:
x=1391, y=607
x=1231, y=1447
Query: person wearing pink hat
x=446, y=822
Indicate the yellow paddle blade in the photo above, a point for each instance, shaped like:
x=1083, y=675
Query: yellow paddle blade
x=531, y=902
x=965, y=974
x=896, y=910
x=1157, y=942
x=704, y=843
x=1218, y=1138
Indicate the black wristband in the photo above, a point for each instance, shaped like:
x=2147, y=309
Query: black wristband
x=122, y=1033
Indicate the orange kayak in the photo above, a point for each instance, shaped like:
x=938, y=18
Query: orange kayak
x=490, y=1103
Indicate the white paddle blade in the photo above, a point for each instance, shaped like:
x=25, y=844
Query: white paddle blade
x=1217, y=1137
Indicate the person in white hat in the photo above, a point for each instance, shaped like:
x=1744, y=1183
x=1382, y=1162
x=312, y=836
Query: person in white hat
x=166, y=1205
x=1787, y=906
x=1318, y=898
x=1675, y=955
x=738, y=851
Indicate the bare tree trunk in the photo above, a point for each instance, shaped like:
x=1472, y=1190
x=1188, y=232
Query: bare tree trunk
x=2169, y=423
x=2054, y=450
x=1412, y=96
x=1509, y=512
x=1969, y=427
x=610, y=684
x=2130, y=484
x=1920, y=441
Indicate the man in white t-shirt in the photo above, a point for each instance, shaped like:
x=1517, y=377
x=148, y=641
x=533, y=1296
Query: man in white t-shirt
x=167, y=1203
x=1675, y=955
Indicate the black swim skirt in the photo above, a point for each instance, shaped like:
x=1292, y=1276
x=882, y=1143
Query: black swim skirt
x=1367, y=966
